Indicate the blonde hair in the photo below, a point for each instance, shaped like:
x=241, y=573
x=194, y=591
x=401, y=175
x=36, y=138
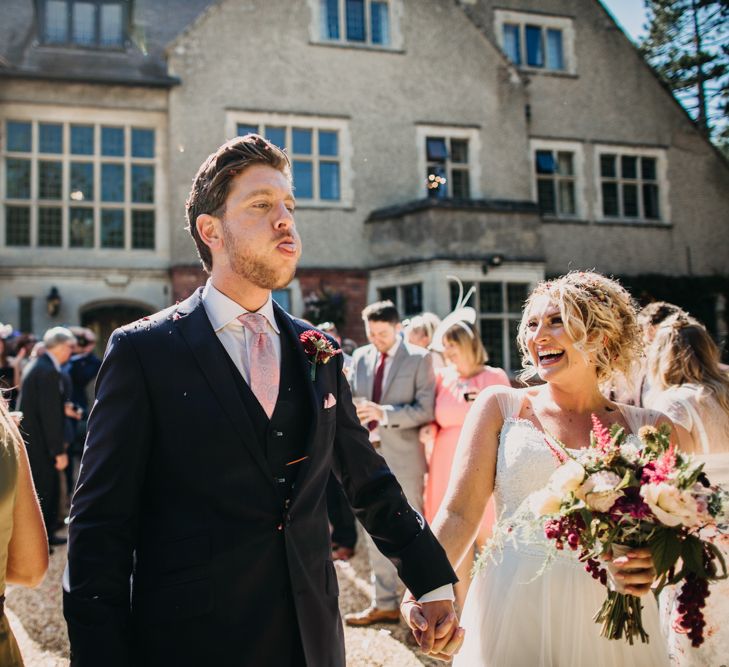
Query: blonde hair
x=467, y=340
x=9, y=434
x=598, y=314
x=683, y=352
x=423, y=325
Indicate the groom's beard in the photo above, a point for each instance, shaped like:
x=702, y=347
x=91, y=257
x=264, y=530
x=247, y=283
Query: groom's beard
x=263, y=272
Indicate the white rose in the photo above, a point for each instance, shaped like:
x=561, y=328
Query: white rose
x=567, y=477
x=544, y=502
x=599, y=490
x=670, y=505
x=629, y=451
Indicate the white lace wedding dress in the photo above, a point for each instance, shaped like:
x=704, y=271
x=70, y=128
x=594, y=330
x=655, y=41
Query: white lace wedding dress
x=514, y=618
x=701, y=415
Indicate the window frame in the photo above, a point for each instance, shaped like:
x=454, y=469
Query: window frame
x=661, y=180
x=578, y=177
x=315, y=123
x=36, y=115
x=394, y=13
x=545, y=22
x=97, y=45
x=471, y=134
x=399, y=300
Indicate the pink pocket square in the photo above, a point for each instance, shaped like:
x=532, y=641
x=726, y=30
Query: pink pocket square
x=329, y=401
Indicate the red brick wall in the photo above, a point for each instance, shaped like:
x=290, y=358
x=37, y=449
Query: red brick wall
x=185, y=280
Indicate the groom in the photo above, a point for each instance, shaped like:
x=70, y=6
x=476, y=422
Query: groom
x=199, y=531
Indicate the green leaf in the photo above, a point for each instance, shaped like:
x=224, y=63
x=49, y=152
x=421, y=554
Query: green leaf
x=692, y=554
x=665, y=550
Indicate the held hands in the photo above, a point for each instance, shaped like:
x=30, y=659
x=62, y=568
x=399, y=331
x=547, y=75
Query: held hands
x=426, y=434
x=634, y=571
x=368, y=411
x=61, y=462
x=434, y=625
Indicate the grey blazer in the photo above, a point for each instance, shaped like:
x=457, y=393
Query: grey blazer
x=408, y=395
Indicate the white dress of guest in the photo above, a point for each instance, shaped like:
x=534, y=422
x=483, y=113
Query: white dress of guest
x=702, y=416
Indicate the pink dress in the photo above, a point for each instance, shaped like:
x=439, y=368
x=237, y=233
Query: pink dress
x=451, y=409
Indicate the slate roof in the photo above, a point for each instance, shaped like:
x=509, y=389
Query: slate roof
x=155, y=23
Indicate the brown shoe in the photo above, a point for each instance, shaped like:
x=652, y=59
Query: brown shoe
x=372, y=615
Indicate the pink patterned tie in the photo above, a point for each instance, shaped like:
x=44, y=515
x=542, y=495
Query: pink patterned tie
x=263, y=363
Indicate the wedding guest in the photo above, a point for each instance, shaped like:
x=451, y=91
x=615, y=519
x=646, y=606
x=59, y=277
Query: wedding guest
x=7, y=371
x=23, y=544
x=419, y=331
x=456, y=387
x=688, y=385
x=575, y=333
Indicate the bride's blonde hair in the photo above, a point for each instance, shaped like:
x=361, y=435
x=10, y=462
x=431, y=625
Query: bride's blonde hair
x=9, y=434
x=598, y=314
x=683, y=352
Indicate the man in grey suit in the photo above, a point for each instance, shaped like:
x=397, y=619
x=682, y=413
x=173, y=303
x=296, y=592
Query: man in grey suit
x=394, y=388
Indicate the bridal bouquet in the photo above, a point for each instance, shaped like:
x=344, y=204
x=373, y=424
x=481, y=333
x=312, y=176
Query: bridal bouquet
x=624, y=492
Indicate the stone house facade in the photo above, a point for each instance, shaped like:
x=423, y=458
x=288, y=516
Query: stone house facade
x=499, y=142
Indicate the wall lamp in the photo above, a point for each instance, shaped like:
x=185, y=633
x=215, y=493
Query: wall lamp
x=53, y=302
x=491, y=262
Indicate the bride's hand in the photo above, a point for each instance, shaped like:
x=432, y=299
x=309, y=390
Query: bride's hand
x=634, y=570
x=441, y=641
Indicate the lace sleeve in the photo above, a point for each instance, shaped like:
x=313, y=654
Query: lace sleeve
x=675, y=409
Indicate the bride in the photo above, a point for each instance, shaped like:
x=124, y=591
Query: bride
x=575, y=332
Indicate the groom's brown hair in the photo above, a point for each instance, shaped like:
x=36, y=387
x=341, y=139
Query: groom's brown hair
x=211, y=184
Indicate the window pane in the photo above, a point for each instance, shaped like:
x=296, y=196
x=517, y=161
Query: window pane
x=546, y=195
x=564, y=164
x=111, y=25
x=329, y=180
x=112, y=182
x=50, y=138
x=56, y=28
x=49, y=227
x=490, y=298
x=82, y=181
x=545, y=162
x=19, y=136
x=459, y=151
x=84, y=23
x=81, y=228
x=535, y=52
x=82, y=139
x=512, y=43
x=277, y=136
x=328, y=144
x=303, y=181
x=460, y=186
x=455, y=292
x=49, y=180
x=650, y=201
x=555, y=56
x=142, y=184
x=17, y=179
x=629, y=166
x=112, y=141
x=567, y=197
x=301, y=141
x=142, y=142
x=516, y=295
x=630, y=200
x=283, y=298
x=387, y=294
x=436, y=181
x=648, y=168
x=244, y=129
x=607, y=166
x=412, y=299
x=436, y=150
x=17, y=226
x=610, y=199
x=380, y=23
x=514, y=353
x=329, y=19
x=355, y=20
x=143, y=230
x=112, y=228
x=492, y=337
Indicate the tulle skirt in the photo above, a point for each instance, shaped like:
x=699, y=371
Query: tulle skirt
x=514, y=617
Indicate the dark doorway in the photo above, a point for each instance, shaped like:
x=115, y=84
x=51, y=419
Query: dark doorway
x=102, y=320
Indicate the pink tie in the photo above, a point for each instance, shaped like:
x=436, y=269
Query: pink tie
x=262, y=361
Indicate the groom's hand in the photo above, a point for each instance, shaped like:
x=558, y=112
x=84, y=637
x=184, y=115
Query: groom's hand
x=435, y=627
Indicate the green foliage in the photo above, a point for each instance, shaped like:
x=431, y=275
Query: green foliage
x=665, y=549
x=688, y=46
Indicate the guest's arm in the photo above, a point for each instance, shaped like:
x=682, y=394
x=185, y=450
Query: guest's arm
x=421, y=409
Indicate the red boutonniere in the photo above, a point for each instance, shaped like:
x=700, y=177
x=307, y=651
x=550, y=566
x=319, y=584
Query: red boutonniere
x=318, y=348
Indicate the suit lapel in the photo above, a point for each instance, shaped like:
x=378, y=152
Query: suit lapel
x=194, y=326
x=400, y=356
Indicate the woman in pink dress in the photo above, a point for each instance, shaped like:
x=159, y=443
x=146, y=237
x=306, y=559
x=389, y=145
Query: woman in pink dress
x=457, y=385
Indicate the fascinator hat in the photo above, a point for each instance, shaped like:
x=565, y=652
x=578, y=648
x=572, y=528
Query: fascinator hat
x=462, y=315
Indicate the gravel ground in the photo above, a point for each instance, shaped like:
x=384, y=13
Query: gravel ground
x=37, y=621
